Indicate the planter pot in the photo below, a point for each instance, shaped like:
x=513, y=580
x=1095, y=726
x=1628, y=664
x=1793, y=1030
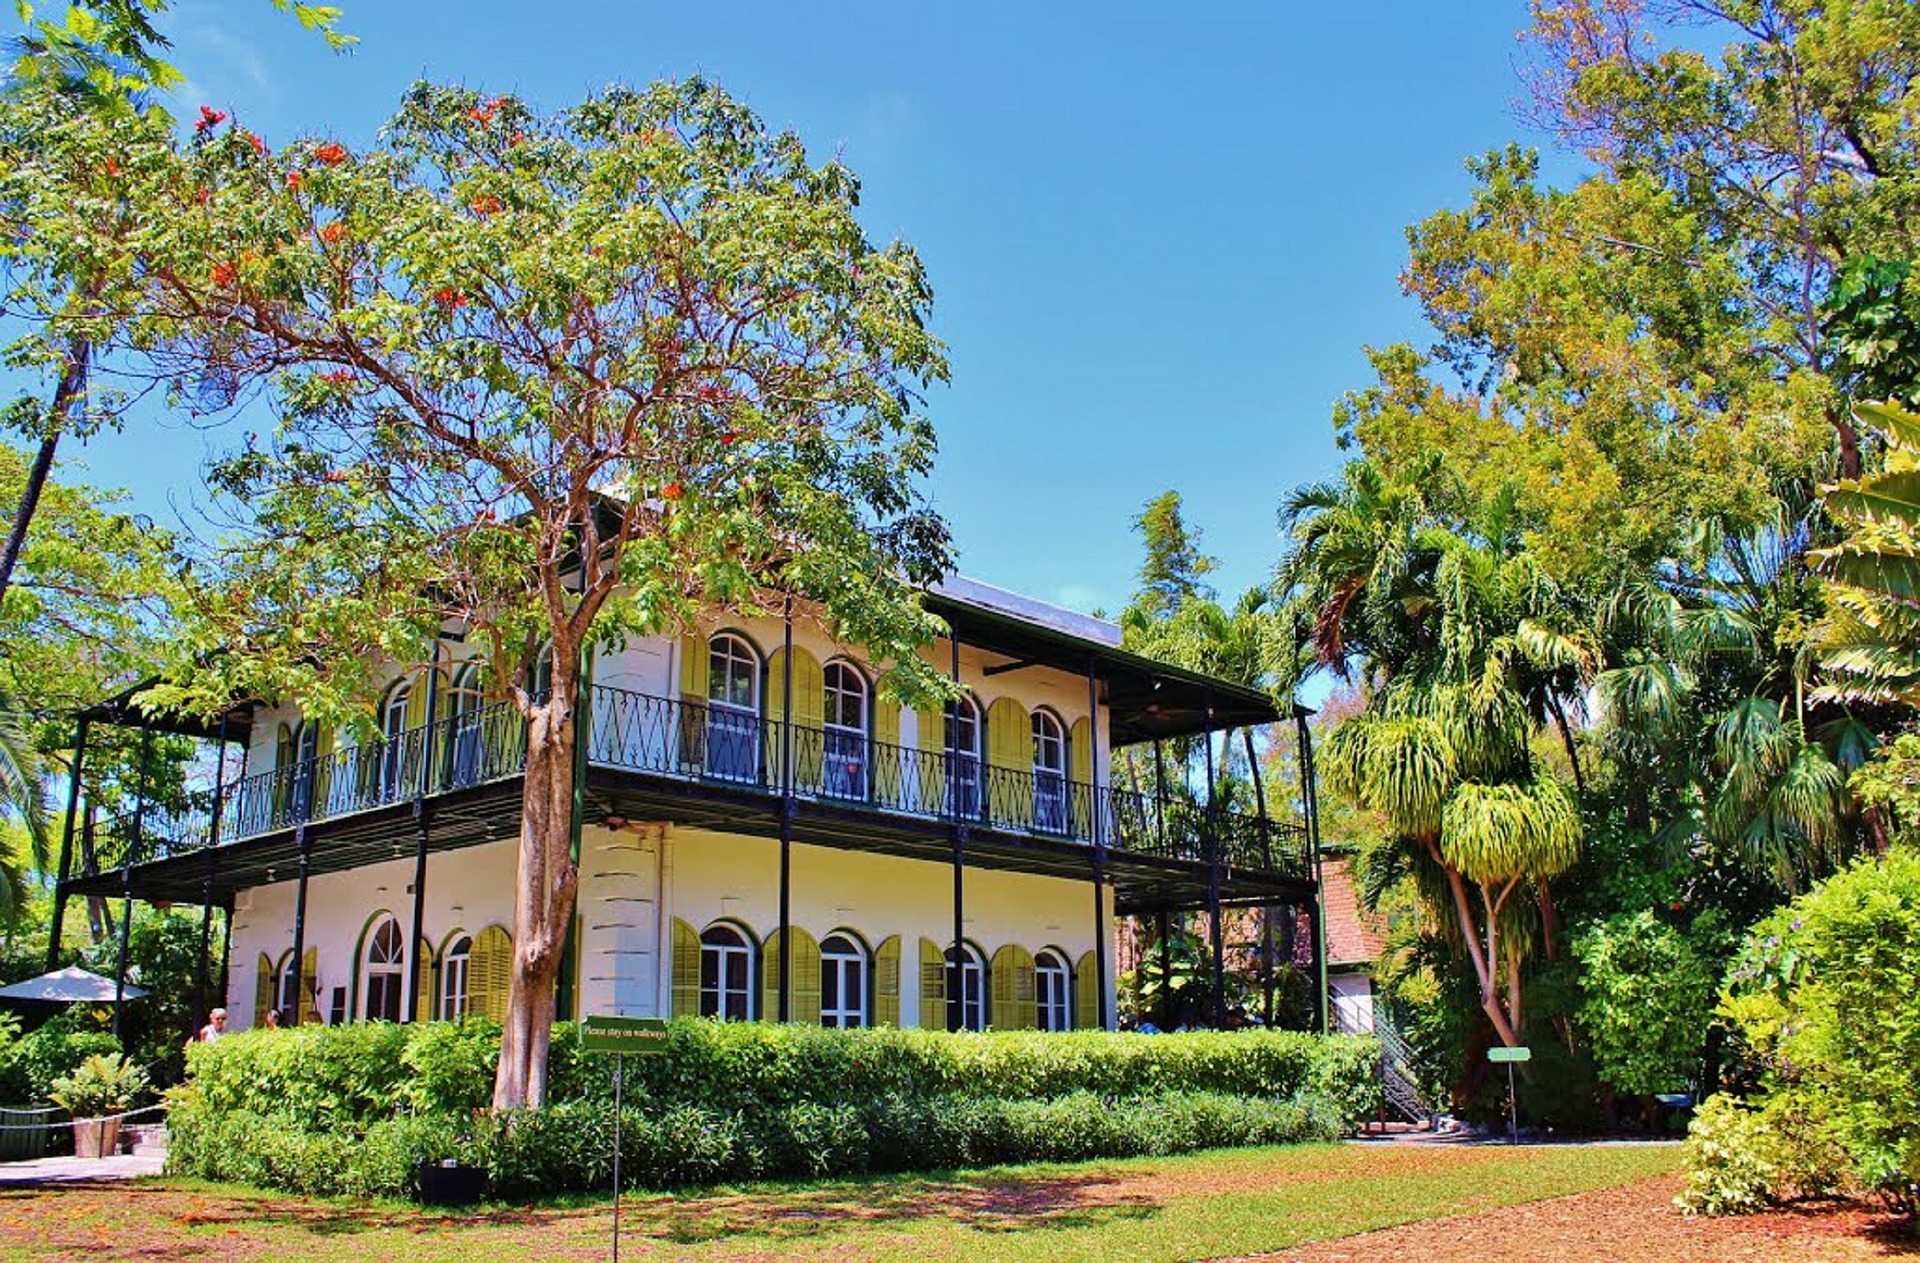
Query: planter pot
x=439, y=1184
x=96, y=1137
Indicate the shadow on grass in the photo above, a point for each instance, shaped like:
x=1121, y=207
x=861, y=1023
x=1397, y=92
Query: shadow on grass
x=987, y=1203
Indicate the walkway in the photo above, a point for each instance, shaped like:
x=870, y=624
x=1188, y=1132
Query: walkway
x=69, y=1170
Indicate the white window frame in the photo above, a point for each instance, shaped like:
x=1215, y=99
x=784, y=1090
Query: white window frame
x=733, y=728
x=456, y=995
x=391, y=969
x=844, y=959
x=1049, y=779
x=715, y=1000
x=966, y=787
x=1052, y=992
x=467, y=695
x=845, y=745
x=972, y=989
x=393, y=740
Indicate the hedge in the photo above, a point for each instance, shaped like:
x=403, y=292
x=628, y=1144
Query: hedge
x=347, y=1110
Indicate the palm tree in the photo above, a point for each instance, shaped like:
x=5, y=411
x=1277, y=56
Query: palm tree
x=1871, y=640
x=22, y=775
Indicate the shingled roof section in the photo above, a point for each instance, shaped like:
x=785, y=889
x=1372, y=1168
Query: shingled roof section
x=1354, y=935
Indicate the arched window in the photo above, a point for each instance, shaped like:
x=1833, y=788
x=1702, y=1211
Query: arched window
x=963, y=758
x=726, y=974
x=287, y=990
x=846, y=731
x=733, y=708
x=384, y=969
x=394, y=761
x=464, y=699
x=843, y=982
x=453, y=979
x=1049, y=773
x=1052, y=992
x=293, y=765
x=966, y=987
x=540, y=674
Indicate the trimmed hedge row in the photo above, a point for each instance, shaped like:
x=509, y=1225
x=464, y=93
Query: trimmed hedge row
x=348, y=1110
x=568, y=1148
x=329, y=1076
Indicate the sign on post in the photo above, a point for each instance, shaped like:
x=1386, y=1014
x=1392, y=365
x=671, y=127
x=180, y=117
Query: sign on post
x=1507, y=1056
x=623, y=1037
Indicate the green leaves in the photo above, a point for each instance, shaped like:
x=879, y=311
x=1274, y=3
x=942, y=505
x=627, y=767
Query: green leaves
x=1495, y=834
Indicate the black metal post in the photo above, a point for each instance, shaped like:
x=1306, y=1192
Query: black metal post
x=304, y=840
x=1100, y=935
x=66, y=847
x=213, y=864
x=1317, y=910
x=787, y=804
x=126, y=876
x=422, y=817
x=1166, y=971
x=1159, y=791
x=1213, y=881
x=957, y=971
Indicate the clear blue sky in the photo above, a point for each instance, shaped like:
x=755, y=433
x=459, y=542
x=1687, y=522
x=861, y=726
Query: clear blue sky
x=1158, y=239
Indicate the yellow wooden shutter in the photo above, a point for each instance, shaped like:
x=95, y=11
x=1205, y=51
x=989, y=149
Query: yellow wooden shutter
x=285, y=752
x=886, y=983
x=263, y=998
x=887, y=773
x=1013, y=989
x=1086, y=994
x=489, y=971
x=803, y=1005
x=1080, y=795
x=1010, y=748
x=694, y=664
x=309, y=979
x=322, y=770
x=686, y=970
x=424, y=989
x=809, y=717
x=933, y=986
x=926, y=787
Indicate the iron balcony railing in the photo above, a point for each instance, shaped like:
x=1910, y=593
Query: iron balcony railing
x=725, y=748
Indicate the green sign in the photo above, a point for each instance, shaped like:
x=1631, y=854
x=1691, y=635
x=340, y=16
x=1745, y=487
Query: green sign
x=1499, y=1056
x=629, y=1035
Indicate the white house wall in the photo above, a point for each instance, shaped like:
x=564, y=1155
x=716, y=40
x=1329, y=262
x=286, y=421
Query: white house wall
x=624, y=958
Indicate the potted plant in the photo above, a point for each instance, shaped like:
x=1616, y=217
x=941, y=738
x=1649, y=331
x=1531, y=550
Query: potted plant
x=99, y=1090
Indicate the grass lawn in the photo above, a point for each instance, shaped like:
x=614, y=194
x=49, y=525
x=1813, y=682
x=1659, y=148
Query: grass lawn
x=1192, y=1207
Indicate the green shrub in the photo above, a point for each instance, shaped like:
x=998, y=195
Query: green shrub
x=1823, y=998
x=29, y=1066
x=1741, y=1159
x=1649, y=998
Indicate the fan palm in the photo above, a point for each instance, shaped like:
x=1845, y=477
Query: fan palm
x=22, y=775
x=1871, y=640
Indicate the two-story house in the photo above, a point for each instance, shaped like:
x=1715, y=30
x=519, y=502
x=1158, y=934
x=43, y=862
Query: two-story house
x=747, y=796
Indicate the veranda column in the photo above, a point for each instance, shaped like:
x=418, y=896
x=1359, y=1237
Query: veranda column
x=787, y=806
x=422, y=818
x=957, y=972
x=200, y=1005
x=66, y=847
x=305, y=844
x=1213, y=880
x=1317, y=910
x=126, y=877
x=1099, y=801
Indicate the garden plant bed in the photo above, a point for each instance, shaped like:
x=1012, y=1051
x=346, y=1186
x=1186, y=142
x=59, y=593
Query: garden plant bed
x=1210, y=1205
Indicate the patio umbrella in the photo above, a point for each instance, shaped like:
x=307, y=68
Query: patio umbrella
x=67, y=986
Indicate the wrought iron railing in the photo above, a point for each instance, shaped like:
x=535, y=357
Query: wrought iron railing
x=724, y=747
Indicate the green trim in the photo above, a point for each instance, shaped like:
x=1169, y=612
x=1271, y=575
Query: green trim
x=359, y=953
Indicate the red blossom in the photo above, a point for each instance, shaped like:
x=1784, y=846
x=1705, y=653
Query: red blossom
x=337, y=376
x=113, y=169
x=486, y=204
x=224, y=274
x=730, y=437
x=259, y=146
x=331, y=154
x=333, y=232
x=210, y=118
x=449, y=298
x=672, y=491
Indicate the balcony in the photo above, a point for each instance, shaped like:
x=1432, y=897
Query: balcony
x=660, y=758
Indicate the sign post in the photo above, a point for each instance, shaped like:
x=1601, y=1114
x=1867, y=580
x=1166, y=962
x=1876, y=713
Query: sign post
x=1509, y=1057
x=642, y=1036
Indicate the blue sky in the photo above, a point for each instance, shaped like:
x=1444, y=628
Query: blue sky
x=1158, y=238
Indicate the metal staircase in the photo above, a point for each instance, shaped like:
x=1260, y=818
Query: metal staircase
x=1400, y=1070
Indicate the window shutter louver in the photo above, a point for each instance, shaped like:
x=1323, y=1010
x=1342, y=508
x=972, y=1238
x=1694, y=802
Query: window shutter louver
x=262, y=990
x=309, y=978
x=1082, y=798
x=886, y=983
x=322, y=770
x=693, y=691
x=686, y=970
x=1010, y=748
x=933, y=986
x=887, y=779
x=809, y=717
x=1086, y=995
x=1013, y=994
x=489, y=968
x=803, y=1003
x=424, y=989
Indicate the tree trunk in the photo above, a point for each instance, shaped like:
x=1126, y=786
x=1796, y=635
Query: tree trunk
x=544, y=880
x=73, y=382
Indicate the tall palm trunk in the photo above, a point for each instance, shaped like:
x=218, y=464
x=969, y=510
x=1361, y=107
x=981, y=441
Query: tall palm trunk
x=72, y=385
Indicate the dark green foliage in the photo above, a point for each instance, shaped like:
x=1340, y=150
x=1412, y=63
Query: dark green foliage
x=29, y=1066
x=346, y=1110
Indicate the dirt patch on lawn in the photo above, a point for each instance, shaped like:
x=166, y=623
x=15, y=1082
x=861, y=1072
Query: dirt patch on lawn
x=1625, y=1225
